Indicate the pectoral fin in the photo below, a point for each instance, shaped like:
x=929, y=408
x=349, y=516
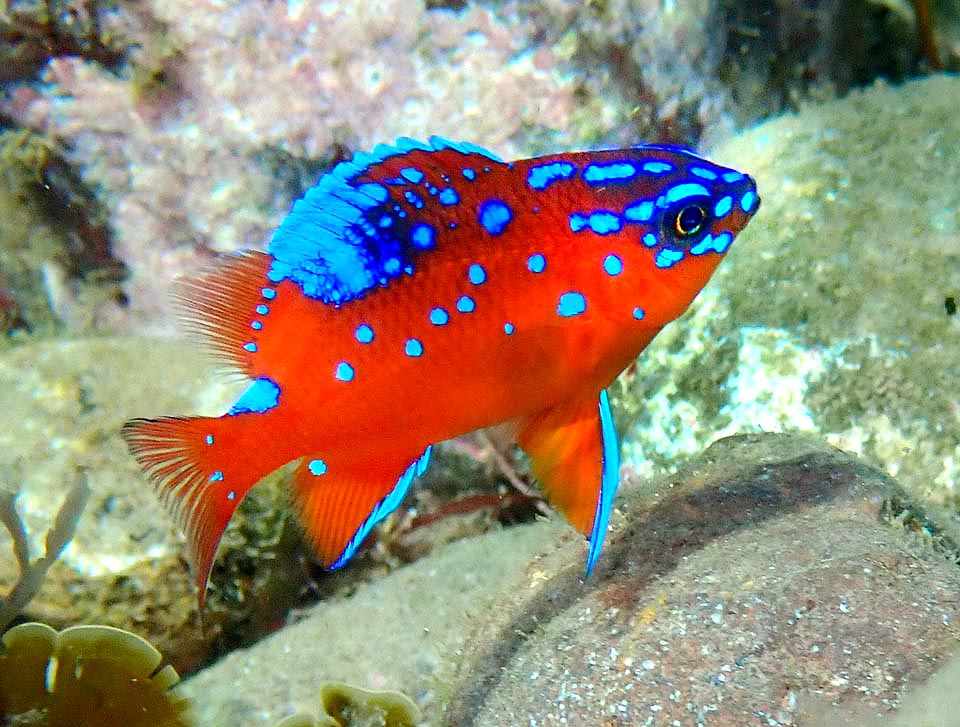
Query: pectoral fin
x=576, y=457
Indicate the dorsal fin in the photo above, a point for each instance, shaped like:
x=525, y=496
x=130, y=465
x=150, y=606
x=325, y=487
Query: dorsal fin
x=367, y=220
x=218, y=305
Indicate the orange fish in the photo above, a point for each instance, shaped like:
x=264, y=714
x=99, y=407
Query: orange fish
x=427, y=290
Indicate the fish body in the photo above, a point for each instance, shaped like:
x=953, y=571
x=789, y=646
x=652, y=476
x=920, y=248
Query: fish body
x=426, y=290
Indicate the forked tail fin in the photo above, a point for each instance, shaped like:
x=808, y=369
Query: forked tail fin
x=201, y=468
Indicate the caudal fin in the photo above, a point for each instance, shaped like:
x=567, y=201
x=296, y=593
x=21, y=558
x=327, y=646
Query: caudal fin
x=201, y=469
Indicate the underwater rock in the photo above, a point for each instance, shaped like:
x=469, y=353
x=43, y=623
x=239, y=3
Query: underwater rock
x=85, y=674
x=770, y=576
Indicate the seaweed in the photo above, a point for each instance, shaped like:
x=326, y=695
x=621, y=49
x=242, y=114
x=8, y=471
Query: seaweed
x=32, y=572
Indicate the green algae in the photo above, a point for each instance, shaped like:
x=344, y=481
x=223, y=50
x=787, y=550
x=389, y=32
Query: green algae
x=95, y=674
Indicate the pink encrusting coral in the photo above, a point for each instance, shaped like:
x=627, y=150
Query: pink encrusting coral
x=180, y=171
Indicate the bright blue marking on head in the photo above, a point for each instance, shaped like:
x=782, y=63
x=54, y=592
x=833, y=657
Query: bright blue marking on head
x=256, y=325
x=268, y=293
x=413, y=348
x=250, y=347
x=650, y=240
x=317, y=467
x=439, y=317
x=466, y=304
x=469, y=174
x=609, y=172
x=536, y=263
x=705, y=245
x=723, y=206
x=638, y=313
x=641, y=211
x=571, y=304
x=385, y=506
x=612, y=265
x=687, y=189
x=422, y=236
x=508, y=328
x=449, y=196
x=495, y=215
x=344, y=371
x=262, y=309
x=412, y=175
x=208, y=439
x=578, y=222
x=722, y=241
x=748, y=200
x=731, y=177
x=413, y=198
x=605, y=223
x=364, y=333
x=703, y=173
x=477, y=274
x=609, y=481
x=668, y=257
x=543, y=175
x=262, y=395
x=657, y=167
x=216, y=476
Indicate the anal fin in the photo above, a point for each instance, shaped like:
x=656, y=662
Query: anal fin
x=576, y=458
x=339, y=504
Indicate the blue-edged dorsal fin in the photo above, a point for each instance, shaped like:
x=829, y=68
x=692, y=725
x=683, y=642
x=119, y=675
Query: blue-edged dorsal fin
x=367, y=220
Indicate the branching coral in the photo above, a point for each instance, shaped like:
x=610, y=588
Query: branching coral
x=32, y=572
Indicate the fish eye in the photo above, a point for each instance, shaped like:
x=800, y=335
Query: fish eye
x=689, y=220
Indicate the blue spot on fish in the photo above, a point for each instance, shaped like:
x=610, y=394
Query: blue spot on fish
x=657, y=167
x=262, y=310
x=268, y=293
x=723, y=206
x=571, y=304
x=703, y=173
x=495, y=215
x=344, y=372
x=439, y=317
x=422, y=236
x=412, y=174
x=216, y=476
x=256, y=325
x=250, y=347
x=413, y=348
x=650, y=240
x=413, y=198
x=449, y=196
x=469, y=174
x=638, y=313
x=668, y=257
x=641, y=211
x=612, y=265
x=262, y=395
x=317, y=467
x=477, y=274
x=542, y=176
x=466, y=304
x=508, y=328
x=536, y=263
x=748, y=200
x=208, y=439
x=364, y=333
x=609, y=172
x=685, y=190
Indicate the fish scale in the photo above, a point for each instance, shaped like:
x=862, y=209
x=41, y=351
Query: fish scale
x=427, y=289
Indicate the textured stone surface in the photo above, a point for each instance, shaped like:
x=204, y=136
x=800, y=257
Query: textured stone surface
x=760, y=579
